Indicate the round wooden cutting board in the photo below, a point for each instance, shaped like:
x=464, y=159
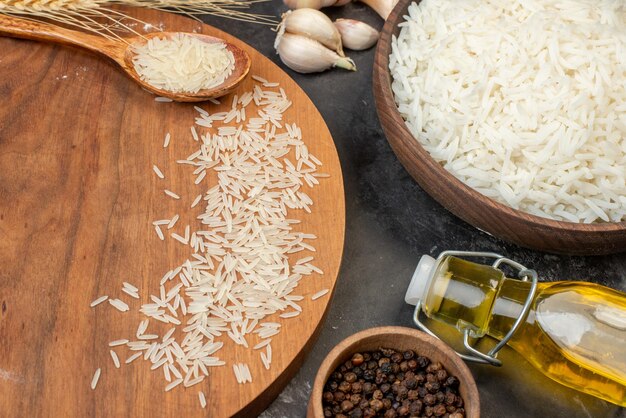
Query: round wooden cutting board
x=77, y=200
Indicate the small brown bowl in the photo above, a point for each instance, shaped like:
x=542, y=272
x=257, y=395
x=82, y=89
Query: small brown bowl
x=484, y=213
x=398, y=338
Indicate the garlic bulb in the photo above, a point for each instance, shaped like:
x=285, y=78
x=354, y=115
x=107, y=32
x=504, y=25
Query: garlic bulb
x=312, y=4
x=355, y=34
x=382, y=7
x=312, y=24
x=306, y=55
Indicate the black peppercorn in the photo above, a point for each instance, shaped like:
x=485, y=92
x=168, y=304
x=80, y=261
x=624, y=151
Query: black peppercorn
x=348, y=365
x=350, y=377
x=376, y=404
x=382, y=361
x=433, y=367
x=384, y=388
x=428, y=411
x=432, y=387
x=356, y=387
x=396, y=357
x=403, y=392
x=357, y=359
x=344, y=386
x=412, y=395
x=456, y=414
x=336, y=376
x=376, y=355
x=372, y=364
x=364, y=404
x=386, y=367
x=387, y=352
x=369, y=413
x=439, y=410
x=410, y=382
x=368, y=388
x=404, y=366
x=328, y=413
x=412, y=364
x=408, y=354
x=386, y=403
x=442, y=375
x=378, y=394
x=415, y=408
x=440, y=396
x=390, y=413
x=421, y=390
x=339, y=396
x=346, y=406
x=332, y=386
x=328, y=397
x=369, y=375
x=356, y=413
x=403, y=411
x=355, y=398
x=422, y=362
x=429, y=399
x=420, y=377
x=452, y=382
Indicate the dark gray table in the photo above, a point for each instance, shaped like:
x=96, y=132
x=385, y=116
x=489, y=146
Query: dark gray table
x=390, y=223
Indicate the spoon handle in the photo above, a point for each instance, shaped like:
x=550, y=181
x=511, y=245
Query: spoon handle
x=39, y=31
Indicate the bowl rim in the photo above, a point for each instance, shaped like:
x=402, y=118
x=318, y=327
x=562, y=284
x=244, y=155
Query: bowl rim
x=315, y=400
x=382, y=74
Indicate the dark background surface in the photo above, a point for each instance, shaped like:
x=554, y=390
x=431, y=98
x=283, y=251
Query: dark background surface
x=390, y=223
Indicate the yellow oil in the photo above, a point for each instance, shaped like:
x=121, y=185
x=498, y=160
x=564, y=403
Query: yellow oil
x=575, y=333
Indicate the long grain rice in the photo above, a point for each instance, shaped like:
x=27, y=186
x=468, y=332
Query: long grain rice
x=522, y=101
x=96, y=377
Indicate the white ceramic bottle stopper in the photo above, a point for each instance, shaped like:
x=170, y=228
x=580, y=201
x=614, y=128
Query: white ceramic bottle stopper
x=421, y=281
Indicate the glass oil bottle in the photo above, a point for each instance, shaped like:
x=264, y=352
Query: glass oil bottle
x=573, y=332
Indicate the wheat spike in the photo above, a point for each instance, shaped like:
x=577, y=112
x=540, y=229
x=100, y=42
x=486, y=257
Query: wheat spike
x=94, y=15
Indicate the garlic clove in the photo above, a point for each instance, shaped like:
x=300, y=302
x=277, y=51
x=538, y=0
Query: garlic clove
x=356, y=35
x=313, y=4
x=312, y=24
x=382, y=7
x=306, y=55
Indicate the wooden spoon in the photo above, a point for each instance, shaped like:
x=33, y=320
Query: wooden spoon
x=122, y=53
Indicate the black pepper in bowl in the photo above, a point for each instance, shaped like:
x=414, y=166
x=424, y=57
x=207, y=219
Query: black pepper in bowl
x=388, y=384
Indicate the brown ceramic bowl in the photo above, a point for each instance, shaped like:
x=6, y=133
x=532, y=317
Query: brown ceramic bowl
x=398, y=338
x=463, y=201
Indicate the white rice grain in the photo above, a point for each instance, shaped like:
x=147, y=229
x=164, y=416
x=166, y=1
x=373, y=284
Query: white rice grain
x=116, y=360
x=96, y=377
x=157, y=171
x=98, y=301
x=320, y=294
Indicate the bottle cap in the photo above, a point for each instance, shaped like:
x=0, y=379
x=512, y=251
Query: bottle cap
x=420, y=283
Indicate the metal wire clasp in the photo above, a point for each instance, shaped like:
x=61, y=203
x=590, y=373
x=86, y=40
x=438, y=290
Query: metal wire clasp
x=524, y=274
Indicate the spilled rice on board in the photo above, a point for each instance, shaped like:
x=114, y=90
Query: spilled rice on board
x=245, y=263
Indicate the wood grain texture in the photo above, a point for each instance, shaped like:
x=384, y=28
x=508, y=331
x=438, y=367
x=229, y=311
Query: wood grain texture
x=77, y=142
x=122, y=53
x=463, y=201
x=397, y=338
